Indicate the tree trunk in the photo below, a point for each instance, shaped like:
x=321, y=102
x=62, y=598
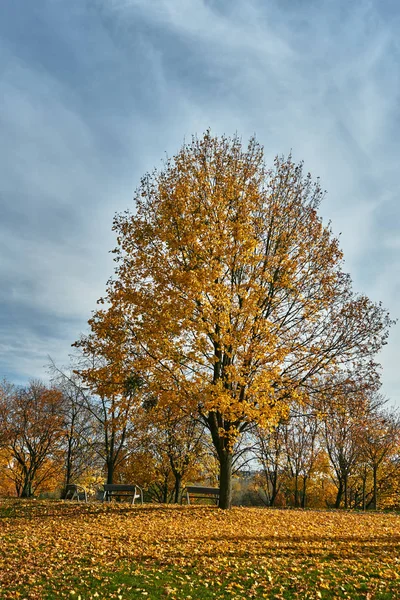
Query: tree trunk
x=165, y=491
x=177, y=487
x=339, y=495
x=225, y=460
x=27, y=488
x=363, y=495
x=274, y=487
x=110, y=471
x=27, y=481
x=296, y=490
x=111, y=455
x=225, y=479
x=303, y=497
x=68, y=468
x=375, y=492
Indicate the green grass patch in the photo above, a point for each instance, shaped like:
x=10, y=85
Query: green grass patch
x=162, y=582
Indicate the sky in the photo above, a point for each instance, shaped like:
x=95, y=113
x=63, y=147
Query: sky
x=94, y=93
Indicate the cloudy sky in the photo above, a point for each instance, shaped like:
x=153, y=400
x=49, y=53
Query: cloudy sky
x=93, y=93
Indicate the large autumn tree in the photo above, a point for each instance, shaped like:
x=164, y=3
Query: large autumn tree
x=230, y=293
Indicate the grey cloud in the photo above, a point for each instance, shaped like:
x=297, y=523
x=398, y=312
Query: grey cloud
x=93, y=93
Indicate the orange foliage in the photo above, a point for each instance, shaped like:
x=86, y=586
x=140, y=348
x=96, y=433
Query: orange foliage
x=33, y=423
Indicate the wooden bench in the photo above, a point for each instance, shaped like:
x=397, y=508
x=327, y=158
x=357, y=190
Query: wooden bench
x=200, y=492
x=120, y=490
x=75, y=492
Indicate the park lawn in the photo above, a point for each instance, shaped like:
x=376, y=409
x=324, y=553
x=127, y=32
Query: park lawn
x=73, y=550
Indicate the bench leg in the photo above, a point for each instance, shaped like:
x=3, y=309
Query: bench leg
x=136, y=495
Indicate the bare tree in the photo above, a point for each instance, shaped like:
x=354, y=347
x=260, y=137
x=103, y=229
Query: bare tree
x=381, y=439
x=301, y=436
x=80, y=432
x=115, y=417
x=343, y=424
x=270, y=453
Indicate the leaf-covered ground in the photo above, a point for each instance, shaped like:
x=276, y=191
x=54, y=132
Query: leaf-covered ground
x=70, y=550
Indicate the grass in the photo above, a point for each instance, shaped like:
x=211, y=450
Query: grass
x=52, y=549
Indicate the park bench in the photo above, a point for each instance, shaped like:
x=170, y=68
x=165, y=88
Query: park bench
x=119, y=490
x=75, y=492
x=196, y=492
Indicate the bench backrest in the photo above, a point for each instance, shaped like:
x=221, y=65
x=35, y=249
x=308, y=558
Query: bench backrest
x=119, y=487
x=73, y=490
x=197, y=489
x=72, y=487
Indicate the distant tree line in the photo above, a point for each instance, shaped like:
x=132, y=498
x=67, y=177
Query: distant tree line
x=340, y=454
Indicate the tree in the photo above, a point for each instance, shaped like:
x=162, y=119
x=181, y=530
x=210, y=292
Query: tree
x=344, y=423
x=270, y=453
x=381, y=437
x=111, y=399
x=80, y=429
x=231, y=288
x=178, y=437
x=34, y=425
x=7, y=391
x=300, y=435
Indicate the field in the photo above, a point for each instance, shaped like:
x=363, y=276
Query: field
x=77, y=551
